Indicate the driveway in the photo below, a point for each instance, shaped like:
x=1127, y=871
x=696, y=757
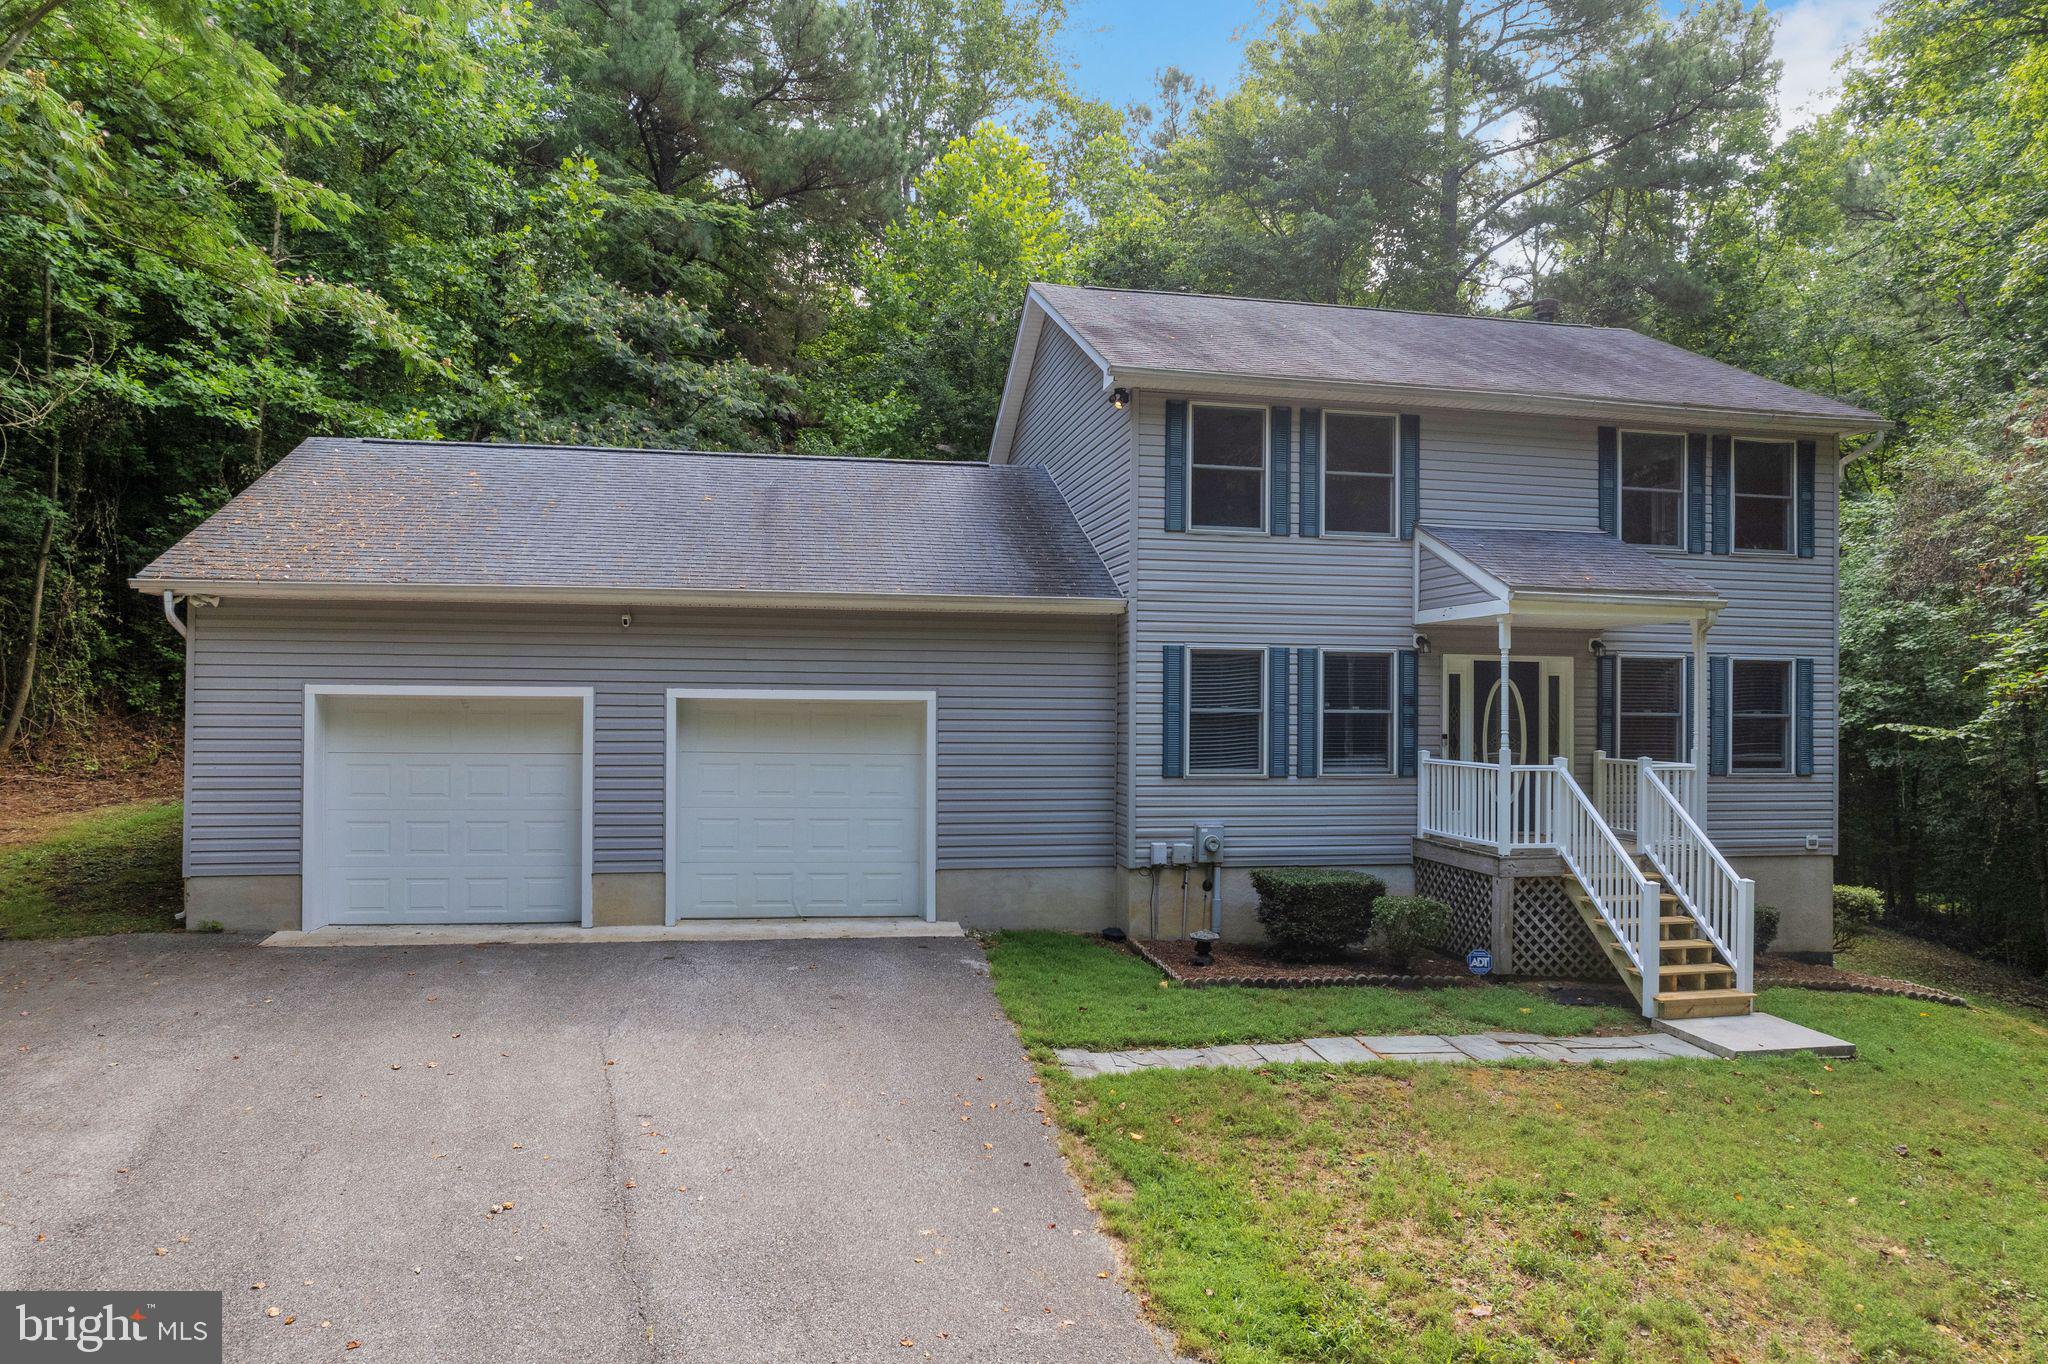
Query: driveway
x=722, y=1152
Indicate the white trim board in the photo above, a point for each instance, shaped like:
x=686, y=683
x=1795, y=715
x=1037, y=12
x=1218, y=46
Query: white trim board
x=672, y=798
x=313, y=915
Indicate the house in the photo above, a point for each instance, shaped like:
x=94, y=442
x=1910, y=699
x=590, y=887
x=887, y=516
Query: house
x=1238, y=585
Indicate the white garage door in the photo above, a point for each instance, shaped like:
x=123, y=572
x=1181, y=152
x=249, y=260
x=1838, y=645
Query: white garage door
x=436, y=810
x=811, y=808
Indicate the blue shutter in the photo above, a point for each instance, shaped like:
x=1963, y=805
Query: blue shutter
x=1717, y=714
x=1311, y=477
x=1723, y=491
x=1696, y=455
x=1604, y=704
x=1276, y=712
x=1685, y=728
x=1610, y=481
x=1279, y=495
x=1802, y=716
x=1176, y=466
x=1805, y=494
x=1173, y=746
x=1409, y=717
x=1308, y=758
x=1411, y=473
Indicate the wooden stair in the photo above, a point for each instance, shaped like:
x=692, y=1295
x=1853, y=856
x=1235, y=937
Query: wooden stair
x=1692, y=980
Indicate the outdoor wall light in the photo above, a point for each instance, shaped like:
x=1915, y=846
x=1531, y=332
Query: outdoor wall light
x=1421, y=643
x=1596, y=647
x=1120, y=398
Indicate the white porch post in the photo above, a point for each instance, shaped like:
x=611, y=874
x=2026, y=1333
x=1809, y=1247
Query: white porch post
x=1699, y=721
x=1505, y=798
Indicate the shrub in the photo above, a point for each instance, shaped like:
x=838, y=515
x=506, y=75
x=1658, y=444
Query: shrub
x=1314, y=913
x=1766, y=927
x=1408, y=925
x=1856, y=909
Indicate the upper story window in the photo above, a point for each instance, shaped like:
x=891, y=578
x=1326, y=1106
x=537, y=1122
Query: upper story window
x=1227, y=468
x=1761, y=715
x=1650, y=696
x=1652, y=487
x=1358, y=712
x=1358, y=473
x=1763, y=495
x=1226, y=711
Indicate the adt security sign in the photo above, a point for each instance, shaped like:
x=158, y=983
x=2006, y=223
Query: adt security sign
x=1479, y=961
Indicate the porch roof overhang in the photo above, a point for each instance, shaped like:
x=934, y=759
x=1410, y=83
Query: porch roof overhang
x=1550, y=577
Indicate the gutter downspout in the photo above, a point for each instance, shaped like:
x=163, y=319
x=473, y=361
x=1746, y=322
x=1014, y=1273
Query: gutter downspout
x=171, y=615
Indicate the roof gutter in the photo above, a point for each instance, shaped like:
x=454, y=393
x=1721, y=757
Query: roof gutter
x=534, y=594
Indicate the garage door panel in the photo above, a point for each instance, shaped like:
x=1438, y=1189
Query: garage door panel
x=799, y=808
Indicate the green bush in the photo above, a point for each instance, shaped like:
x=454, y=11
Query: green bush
x=1314, y=913
x=1766, y=927
x=1856, y=909
x=1410, y=925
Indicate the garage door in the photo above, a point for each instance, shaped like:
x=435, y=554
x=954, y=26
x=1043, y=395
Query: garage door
x=811, y=808
x=449, y=810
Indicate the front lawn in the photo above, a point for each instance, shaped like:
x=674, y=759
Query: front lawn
x=1895, y=1206
x=113, y=870
x=1063, y=990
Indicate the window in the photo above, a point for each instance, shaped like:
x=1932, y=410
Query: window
x=1227, y=468
x=1761, y=716
x=1226, y=710
x=1652, y=488
x=1763, y=495
x=1358, y=474
x=1650, y=695
x=1358, y=712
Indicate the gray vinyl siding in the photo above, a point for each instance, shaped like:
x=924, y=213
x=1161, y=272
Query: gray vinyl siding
x=1337, y=592
x=1443, y=587
x=1027, y=723
x=1067, y=425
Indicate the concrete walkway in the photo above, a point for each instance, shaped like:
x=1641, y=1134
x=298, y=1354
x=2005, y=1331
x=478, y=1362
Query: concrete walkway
x=1488, y=1046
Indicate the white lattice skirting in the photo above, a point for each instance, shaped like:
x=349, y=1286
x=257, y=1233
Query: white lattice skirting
x=1550, y=939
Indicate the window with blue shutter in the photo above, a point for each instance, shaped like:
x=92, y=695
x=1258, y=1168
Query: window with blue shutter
x=1717, y=714
x=1802, y=716
x=1226, y=712
x=1176, y=465
x=1610, y=481
x=1308, y=666
x=1722, y=492
x=1276, y=712
x=1696, y=456
x=1410, y=722
x=1311, y=457
x=1281, y=496
x=1807, y=459
x=1604, y=705
x=1173, y=662
x=1411, y=473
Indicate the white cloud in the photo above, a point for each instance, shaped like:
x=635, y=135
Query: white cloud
x=1811, y=35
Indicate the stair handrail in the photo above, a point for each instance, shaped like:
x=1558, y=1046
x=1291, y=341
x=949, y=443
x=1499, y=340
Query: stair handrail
x=1720, y=900
x=1628, y=902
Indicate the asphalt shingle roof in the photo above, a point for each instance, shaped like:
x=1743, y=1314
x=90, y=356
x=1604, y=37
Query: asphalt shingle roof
x=1264, y=338
x=1568, y=561
x=360, y=512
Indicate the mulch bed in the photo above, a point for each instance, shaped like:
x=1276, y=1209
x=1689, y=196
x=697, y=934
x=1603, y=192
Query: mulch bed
x=1772, y=969
x=1248, y=964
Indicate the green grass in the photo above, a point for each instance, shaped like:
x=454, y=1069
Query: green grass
x=1063, y=990
x=1686, y=1210
x=109, y=871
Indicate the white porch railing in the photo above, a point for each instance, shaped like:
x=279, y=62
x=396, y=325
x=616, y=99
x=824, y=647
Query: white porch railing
x=1614, y=788
x=1722, y=902
x=1464, y=800
x=1628, y=902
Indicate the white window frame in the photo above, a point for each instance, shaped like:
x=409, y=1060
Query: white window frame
x=1265, y=469
x=1325, y=711
x=1621, y=486
x=1393, y=530
x=1621, y=662
x=1791, y=673
x=1791, y=497
x=1187, y=712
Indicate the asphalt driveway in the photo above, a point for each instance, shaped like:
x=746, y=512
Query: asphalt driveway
x=722, y=1152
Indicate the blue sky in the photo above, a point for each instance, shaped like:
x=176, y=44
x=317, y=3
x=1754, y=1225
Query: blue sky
x=1116, y=46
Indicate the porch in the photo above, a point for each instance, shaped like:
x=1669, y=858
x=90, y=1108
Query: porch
x=1555, y=874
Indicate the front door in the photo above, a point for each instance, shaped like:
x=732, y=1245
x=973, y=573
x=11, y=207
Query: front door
x=1537, y=715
